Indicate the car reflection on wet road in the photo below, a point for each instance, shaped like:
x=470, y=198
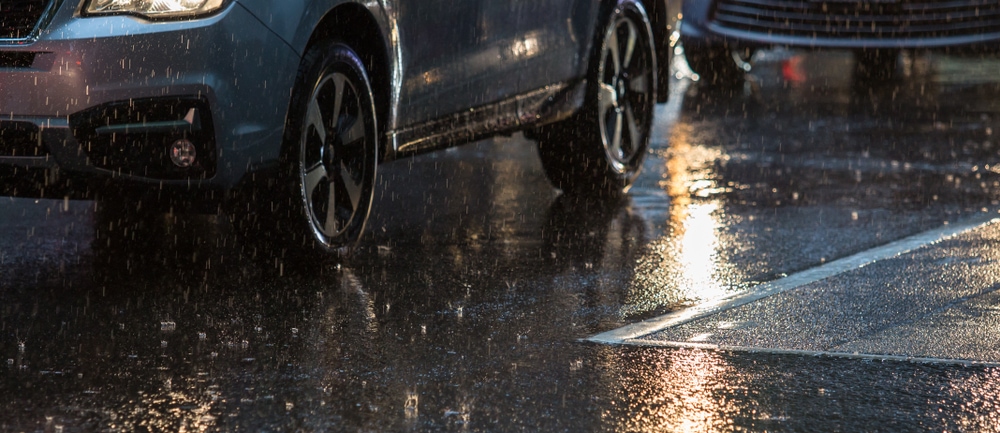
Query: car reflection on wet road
x=465, y=306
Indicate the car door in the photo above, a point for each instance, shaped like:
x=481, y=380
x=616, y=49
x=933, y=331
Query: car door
x=555, y=35
x=455, y=56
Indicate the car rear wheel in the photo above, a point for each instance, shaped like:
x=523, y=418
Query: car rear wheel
x=332, y=144
x=601, y=149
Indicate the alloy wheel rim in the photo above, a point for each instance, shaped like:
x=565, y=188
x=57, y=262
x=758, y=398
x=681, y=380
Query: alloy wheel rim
x=333, y=162
x=624, y=93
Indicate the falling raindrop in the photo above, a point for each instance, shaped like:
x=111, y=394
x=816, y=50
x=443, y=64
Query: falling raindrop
x=202, y=336
x=289, y=406
x=20, y=346
x=423, y=329
x=410, y=406
x=163, y=343
x=168, y=326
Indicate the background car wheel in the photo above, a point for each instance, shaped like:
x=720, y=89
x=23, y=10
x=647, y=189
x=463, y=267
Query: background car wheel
x=715, y=65
x=331, y=151
x=601, y=149
x=876, y=65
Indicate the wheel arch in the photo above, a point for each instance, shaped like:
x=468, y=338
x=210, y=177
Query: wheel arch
x=361, y=29
x=606, y=11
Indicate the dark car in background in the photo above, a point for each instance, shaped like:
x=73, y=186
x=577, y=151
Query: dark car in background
x=719, y=36
x=194, y=99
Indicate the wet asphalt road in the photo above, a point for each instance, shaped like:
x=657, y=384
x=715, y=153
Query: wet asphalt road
x=466, y=307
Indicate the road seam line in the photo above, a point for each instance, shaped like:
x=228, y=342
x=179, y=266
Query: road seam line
x=792, y=282
x=816, y=353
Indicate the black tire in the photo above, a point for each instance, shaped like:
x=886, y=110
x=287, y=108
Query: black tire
x=876, y=65
x=331, y=150
x=714, y=65
x=600, y=150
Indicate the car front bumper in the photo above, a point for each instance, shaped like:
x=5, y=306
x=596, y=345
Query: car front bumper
x=106, y=97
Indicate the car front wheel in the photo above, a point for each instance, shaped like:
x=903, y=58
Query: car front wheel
x=331, y=151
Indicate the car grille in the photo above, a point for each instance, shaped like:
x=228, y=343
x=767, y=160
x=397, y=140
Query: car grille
x=18, y=18
x=861, y=19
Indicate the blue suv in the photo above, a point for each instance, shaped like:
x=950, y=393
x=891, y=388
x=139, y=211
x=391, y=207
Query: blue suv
x=195, y=98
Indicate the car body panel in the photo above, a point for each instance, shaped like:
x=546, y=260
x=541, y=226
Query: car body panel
x=82, y=63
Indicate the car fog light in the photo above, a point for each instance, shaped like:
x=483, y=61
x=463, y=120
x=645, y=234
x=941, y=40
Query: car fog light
x=183, y=153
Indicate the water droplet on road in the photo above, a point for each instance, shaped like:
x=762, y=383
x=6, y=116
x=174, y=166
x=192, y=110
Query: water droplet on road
x=168, y=326
x=202, y=336
x=410, y=406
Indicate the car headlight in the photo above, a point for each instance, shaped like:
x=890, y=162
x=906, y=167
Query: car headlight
x=154, y=9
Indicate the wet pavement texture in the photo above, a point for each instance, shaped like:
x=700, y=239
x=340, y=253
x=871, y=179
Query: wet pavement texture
x=465, y=306
x=936, y=303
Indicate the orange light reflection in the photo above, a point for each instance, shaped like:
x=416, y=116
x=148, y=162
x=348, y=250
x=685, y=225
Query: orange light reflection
x=684, y=265
x=676, y=391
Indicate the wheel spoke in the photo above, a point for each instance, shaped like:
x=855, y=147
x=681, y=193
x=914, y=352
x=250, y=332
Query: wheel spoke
x=313, y=176
x=615, y=135
x=353, y=133
x=607, y=99
x=630, y=41
x=352, y=184
x=339, y=89
x=639, y=83
x=613, y=48
x=314, y=119
x=331, y=226
x=634, y=136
